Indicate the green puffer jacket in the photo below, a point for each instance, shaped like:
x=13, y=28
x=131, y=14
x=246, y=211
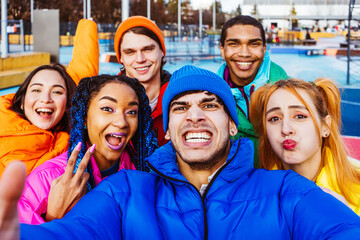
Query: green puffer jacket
x=269, y=72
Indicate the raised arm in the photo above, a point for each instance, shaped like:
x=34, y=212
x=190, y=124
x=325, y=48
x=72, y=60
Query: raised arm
x=11, y=186
x=85, y=59
x=96, y=216
x=313, y=214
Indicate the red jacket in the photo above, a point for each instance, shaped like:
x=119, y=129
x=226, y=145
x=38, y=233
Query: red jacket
x=157, y=113
x=158, y=119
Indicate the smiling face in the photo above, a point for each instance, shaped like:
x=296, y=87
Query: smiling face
x=243, y=52
x=112, y=121
x=292, y=132
x=141, y=57
x=45, y=99
x=199, y=130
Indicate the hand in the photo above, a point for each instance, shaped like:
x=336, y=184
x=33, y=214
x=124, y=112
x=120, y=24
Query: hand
x=69, y=188
x=11, y=186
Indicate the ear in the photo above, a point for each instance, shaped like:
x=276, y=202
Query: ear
x=222, y=51
x=167, y=135
x=232, y=129
x=325, y=128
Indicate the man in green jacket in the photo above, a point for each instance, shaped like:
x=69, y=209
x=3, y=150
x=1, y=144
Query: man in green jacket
x=247, y=67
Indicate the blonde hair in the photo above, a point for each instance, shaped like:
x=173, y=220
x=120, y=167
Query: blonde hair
x=326, y=98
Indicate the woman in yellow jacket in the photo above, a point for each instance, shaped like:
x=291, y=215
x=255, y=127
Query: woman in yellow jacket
x=298, y=124
x=24, y=138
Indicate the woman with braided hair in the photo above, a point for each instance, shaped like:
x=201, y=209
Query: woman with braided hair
x=298, y=124
x=111, y=129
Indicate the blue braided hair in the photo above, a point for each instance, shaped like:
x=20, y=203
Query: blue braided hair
x=144, y=140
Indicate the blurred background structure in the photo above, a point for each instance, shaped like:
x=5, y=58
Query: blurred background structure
x=308, y=38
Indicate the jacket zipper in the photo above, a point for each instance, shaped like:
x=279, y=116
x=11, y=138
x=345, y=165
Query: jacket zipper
x=252, y=88
x=206, y=190
x=177, y=180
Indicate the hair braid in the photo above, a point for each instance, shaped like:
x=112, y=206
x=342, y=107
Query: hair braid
x=144, y=140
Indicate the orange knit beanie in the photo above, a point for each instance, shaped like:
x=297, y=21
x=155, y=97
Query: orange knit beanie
x=137, y=21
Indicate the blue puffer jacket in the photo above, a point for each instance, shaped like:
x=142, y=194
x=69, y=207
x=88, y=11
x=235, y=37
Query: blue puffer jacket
x=240, y=203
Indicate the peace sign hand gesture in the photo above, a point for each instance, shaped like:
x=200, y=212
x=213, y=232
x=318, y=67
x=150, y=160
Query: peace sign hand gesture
x=69, y=188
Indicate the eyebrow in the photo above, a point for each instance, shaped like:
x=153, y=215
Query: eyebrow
x=40, y=84
x=152, y=46
x=115, y=101
x=237, y=40
x=291, y=107
x=181, y=103
x=209, y=99
x=184, y=103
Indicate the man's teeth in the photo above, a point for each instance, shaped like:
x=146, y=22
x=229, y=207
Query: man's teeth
x=44, y=110
x=197, y=137
x=244, y=64
x=142, y=69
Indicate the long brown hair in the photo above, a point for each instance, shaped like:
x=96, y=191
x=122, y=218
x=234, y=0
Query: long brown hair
x=326, y=98
x=18, y=100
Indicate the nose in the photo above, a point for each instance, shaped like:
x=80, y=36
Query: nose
x=120, y=121
x=140, y=56
x=286, y=128
x=46, y=97
x=243, y=51
x=195, y=115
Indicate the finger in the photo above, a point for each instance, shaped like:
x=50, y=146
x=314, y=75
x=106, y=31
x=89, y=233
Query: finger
x=12, y=181
x=84, y=163
x=56, y=180
x=85, y=177
x=83, y=191
x=72, y=161
x=11, y=186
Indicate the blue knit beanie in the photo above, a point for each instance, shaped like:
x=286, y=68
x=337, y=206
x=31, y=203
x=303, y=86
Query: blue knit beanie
x=190, y=78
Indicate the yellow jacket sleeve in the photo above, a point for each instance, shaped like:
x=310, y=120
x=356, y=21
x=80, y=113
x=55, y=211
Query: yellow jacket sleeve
x=85, y=59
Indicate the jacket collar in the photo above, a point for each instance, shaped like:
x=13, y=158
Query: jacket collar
x=261, y=78
x=239, y=161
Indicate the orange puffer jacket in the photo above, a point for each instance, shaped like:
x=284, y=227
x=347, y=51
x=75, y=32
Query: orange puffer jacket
x=21, y=140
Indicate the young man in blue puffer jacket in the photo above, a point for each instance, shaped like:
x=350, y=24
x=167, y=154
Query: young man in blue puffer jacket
x=203, y=185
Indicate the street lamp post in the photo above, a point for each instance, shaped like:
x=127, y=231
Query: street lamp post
x=32, y=11
x=200, y=22
x=124, y=10
x=179, y=19
x=214, y=16
x=4, y=36
x=88, y=9
x=84, y=9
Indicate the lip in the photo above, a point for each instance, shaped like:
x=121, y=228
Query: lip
x=243, y=67
x=147, y=68
x=289, y=144
x=122, y=141
x=45, y=116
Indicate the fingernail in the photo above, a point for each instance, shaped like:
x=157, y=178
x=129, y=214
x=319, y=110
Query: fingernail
x=78, y=146
x=92, y=148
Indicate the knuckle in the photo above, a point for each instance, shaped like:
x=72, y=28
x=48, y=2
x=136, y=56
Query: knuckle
x=71, y=162
x=82, y=167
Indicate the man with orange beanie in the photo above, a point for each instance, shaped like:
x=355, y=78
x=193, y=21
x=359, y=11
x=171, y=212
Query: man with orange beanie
x=140, y=48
